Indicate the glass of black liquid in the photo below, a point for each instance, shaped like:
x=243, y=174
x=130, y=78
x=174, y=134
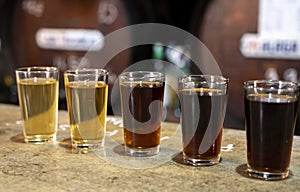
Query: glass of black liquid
x=203, y=104
x=270, y=113
x=142, y=95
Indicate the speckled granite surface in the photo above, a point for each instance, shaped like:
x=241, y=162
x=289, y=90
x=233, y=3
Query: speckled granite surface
x=27, y=167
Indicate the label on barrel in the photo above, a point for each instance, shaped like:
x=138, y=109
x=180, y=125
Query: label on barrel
x=69, y=39
x=270, y=46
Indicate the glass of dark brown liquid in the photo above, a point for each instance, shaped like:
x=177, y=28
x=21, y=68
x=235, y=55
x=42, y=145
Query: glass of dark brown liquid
x=142, y=95
x=270, y=112
x=203, y=104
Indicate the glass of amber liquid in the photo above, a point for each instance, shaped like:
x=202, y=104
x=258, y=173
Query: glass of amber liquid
x=142, y=95
x=87, y=94
x=203, y=104
x=38, y=98
x=270, y=113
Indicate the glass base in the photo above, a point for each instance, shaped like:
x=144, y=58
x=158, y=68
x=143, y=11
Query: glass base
x=39, y=139
x=202, y=162
x=83, y=148
x=267, y=175
x=142, y=152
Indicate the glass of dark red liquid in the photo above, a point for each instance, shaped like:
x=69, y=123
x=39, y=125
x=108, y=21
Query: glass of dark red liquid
x=203, y=101
x=142, y=95
x=270, y=114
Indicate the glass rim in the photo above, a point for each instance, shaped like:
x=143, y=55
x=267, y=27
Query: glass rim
x=136, y=75
x=259, y=84
x=86, y=71
x=37, y=69
x=208, y=78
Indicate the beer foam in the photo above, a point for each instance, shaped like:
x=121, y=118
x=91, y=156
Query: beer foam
x=203, y=91
x=37, y=81
x=271, y=98
x=83, y=84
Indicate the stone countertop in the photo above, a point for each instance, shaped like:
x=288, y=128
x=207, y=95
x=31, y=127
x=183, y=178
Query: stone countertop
x=53, y=167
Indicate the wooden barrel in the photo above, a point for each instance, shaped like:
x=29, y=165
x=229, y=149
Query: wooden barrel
x=221, y=26
x=59, y=33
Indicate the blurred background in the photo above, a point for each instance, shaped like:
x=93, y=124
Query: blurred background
x=257, y=39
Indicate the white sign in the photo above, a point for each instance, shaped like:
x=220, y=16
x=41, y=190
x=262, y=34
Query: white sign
x=69, y=39
x=279, y=17
x=278, y=31
x=263, y=46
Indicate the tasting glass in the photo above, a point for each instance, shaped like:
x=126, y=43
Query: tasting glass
x=203, y=101
x=142, y=95
x=38, y=98
x=270, y=114
x=87, y=94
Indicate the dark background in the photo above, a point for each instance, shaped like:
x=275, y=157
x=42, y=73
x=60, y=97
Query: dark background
x=217, y=23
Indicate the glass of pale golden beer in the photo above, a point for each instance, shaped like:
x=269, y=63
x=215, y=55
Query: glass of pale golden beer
x=38, y=98
x=142, y=95
x=87, y=94
x=203, y=101
x=270, y=112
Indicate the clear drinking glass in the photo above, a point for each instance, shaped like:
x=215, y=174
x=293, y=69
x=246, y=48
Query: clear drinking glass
x=38, y=98
x=203, y=101
x=270, y=113
x=142, y=95
x=87, y=94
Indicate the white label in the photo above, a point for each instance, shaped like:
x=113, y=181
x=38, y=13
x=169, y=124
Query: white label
x=69, y=39
x=279, y=17
x=268, y=46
